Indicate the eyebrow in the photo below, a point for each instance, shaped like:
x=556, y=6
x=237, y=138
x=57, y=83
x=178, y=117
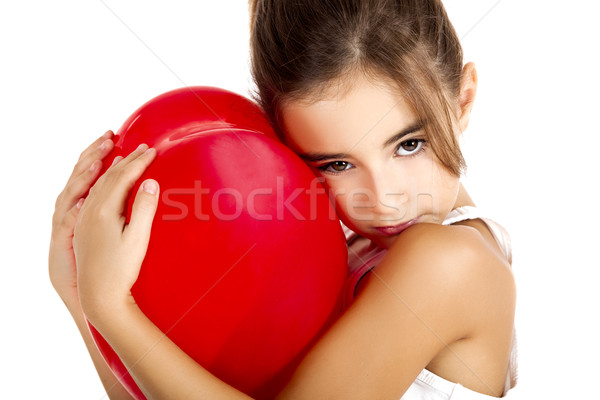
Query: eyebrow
x=316, y=157
x=411, y=129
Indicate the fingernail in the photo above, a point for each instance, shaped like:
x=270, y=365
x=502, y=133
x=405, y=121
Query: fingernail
x=150, y=187
x=104, y=145
x=79, y=204
x=94, y=166
x=142, y=146
x=107, y=134
x=116, y=160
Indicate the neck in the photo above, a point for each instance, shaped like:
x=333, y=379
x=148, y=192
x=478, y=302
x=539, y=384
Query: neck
x=463, y=198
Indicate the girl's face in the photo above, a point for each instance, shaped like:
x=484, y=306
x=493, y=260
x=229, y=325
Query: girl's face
x=368, y=146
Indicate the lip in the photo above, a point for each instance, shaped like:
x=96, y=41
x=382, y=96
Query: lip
x=396, y=229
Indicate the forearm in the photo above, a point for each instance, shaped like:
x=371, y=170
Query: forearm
x=114, y=389
x=160, y=368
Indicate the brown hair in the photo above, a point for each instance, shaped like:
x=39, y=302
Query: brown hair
x=301, y=48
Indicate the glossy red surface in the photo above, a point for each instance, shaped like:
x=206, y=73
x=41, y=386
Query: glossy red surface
x=246, y=259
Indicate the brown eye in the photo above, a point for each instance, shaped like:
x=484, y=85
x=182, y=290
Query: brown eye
x=336, y=166
x=410, y=147
x=339, y=166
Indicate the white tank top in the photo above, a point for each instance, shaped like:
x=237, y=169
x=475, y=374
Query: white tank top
x=364, y=255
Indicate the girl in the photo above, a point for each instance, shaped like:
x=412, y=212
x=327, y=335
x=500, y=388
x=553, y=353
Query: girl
x=373, y=95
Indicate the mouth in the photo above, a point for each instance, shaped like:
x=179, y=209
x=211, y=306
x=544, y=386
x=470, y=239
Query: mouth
x=396, y=229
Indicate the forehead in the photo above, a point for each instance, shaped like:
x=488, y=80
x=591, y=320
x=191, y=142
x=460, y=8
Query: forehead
x=365, y=115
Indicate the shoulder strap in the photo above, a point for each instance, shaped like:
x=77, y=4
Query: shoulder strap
x=500, y=234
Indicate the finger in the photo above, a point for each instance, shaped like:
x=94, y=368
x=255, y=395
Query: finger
x=76, y=188
x=107, y=135
x=97, y=151
x=138, y=152
x=112, y=189
x=116, y=160
x=81, y=171
x=65, y=227
x=142, y=213
x=114, y=169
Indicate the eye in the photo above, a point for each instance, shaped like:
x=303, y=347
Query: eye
x=336, y=166
x=410, y=147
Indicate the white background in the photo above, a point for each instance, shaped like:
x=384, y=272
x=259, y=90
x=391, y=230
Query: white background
x=70, y=70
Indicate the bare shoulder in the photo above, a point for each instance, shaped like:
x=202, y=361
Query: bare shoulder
x=446, y=241
x=431, y=295
x=454, y=250
x=452, y=265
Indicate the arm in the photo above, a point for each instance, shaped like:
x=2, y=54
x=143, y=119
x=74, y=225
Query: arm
x=426, y=295
x=114, y=389
x=438, y=286
x=102, y=249
x=61, y=260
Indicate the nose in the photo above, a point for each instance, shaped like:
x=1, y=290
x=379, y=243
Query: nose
x=380, y=195
x=391, y=199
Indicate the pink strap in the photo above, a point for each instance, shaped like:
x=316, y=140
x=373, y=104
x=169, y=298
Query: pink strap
x=358, y=274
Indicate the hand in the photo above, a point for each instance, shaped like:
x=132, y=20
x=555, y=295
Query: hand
x=61, y=260
x=109, y=252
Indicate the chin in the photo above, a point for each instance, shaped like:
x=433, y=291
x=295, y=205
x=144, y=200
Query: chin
x=386, y=242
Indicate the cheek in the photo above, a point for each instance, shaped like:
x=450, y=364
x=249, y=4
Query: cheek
x=346, y=196
x=444, y=190
x=420, y=175
x=340, y=194
x=430, y=184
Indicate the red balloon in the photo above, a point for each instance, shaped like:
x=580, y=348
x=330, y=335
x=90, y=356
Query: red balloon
x=247, y=259
x=186, y=112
